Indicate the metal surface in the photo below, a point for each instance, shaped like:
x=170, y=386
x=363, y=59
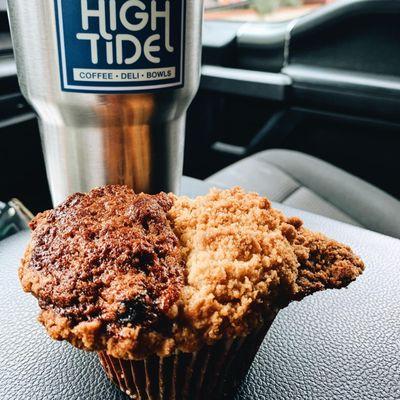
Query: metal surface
x=95, y=139
x=14, y=217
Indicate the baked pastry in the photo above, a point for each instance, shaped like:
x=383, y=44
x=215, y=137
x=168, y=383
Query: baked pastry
x=174, y=293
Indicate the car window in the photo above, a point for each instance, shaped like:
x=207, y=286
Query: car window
x=260, y=10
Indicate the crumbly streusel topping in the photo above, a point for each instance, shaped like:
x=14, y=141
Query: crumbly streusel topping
x=177, y=273
x=246, y=260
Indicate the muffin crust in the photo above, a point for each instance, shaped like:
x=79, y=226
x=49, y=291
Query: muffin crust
x=137, y=274
x=103, y=262
x=246, y=260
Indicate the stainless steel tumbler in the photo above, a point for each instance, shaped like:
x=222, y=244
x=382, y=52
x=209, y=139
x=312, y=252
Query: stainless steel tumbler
x=111, y=81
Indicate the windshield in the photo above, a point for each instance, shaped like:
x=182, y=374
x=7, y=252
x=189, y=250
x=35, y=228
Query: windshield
x=260, y=10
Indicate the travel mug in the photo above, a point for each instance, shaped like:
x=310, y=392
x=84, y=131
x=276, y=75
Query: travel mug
x=110, y=81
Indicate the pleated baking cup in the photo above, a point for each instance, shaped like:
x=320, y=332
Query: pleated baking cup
x=210, y=373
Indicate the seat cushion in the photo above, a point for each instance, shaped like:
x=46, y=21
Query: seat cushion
x=337, y=344
x=305, y=182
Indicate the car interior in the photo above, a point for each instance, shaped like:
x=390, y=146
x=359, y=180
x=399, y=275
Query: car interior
x=304, y=111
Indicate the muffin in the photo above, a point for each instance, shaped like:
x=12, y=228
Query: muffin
x=174, y=294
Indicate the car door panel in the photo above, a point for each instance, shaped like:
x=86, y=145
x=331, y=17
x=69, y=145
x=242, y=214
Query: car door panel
x=330, y=88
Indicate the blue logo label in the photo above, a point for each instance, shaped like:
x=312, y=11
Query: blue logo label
x=124, y=46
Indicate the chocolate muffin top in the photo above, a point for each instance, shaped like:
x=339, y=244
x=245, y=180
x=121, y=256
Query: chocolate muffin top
x=136, y=274
x=108, y=259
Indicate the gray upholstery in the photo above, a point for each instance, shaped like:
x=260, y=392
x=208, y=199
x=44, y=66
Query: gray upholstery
x=193, y=187
x=339, y=344
x=305, y=182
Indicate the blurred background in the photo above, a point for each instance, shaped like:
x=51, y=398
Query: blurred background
x=320, y=77
x=260, y=10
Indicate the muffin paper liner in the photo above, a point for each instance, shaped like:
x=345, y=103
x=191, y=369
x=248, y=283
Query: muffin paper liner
x=210, y=373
